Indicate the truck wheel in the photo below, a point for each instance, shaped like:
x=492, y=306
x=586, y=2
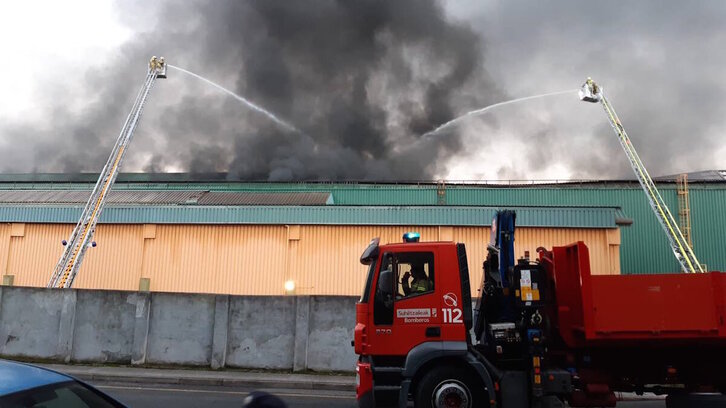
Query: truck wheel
x=704, y=400
x=447, y=387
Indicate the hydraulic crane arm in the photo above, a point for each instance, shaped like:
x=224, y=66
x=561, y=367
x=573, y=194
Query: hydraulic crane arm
x=81, y=237
x=591, y=92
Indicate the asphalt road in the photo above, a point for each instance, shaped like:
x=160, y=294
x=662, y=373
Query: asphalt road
x=150, y=395
x=180, y=396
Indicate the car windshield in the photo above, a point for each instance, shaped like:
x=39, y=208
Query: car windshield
x=71, y=394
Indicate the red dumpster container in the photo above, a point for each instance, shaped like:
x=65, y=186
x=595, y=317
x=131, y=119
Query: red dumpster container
x=674, y=308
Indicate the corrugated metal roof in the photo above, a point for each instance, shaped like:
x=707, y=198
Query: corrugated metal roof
x=114, y=197
x=165, y=197
x=706, y=175
x=339, y=188
x=122, y=177
x=225, y=178
x=220, y=198
x=571, y=217
x=222, y=181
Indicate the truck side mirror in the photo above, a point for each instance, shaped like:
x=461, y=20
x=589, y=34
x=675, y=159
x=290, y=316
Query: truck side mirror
x=371, y=252
x=385, y=283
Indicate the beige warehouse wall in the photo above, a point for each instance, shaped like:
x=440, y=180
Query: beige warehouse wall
x=114, y=264
x=254, y=259
x=230, y=259
x=327, y=257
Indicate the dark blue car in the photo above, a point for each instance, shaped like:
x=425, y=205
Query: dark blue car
x=24, y=385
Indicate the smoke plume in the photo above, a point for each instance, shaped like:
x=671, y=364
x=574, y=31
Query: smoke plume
x=659, y=63
x=361, y=79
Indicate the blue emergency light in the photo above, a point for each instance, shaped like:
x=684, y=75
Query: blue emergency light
x=411, y=237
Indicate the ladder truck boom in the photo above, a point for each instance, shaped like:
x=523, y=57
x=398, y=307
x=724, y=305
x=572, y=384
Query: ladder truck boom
x=81, y=238
x=591, y=92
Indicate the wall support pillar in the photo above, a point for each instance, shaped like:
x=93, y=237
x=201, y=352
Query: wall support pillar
x=67, y=323
x=221, y=325
x=302, y=332
x=141, y=328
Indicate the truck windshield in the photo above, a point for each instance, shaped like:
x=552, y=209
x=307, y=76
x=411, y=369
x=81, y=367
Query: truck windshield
x=369, y=281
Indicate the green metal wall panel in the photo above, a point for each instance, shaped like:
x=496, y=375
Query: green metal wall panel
x=332, y=215
x=644, y=247
x=708, y=221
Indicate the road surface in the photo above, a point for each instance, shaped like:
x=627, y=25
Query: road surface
x=181, y=396
x=159, y=395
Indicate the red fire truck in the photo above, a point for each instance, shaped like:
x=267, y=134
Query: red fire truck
x=544, y=332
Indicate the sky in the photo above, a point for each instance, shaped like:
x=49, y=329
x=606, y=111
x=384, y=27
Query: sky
x=363, y=82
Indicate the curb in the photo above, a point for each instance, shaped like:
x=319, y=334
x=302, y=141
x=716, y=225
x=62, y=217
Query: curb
x=250, y=382
x=222, y=382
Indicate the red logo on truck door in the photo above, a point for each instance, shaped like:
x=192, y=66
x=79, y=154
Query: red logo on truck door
x=451, y=300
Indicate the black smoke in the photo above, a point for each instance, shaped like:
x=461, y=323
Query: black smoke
x=660, y=63
x=361, y=80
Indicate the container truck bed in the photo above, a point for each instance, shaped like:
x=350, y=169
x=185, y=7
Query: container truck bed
x=667, y=308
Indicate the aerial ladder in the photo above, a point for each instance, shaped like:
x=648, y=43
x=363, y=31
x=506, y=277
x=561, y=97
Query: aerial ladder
x=82, y=236
x=591, y=92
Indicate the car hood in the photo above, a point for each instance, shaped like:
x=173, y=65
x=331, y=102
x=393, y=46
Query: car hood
x=16, y=377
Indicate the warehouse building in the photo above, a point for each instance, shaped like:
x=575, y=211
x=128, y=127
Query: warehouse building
x=202, y=233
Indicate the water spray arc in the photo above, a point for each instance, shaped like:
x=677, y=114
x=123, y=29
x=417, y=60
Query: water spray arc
x=487, y=108
x=242, y=99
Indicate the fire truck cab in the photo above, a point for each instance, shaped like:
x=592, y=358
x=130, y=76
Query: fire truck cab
x=408, y=332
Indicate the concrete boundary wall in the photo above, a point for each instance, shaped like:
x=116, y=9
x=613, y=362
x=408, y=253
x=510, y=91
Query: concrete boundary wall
x=95, y=326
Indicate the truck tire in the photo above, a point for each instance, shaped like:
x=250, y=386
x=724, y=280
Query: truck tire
x=705, y=400
x=448, y=387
